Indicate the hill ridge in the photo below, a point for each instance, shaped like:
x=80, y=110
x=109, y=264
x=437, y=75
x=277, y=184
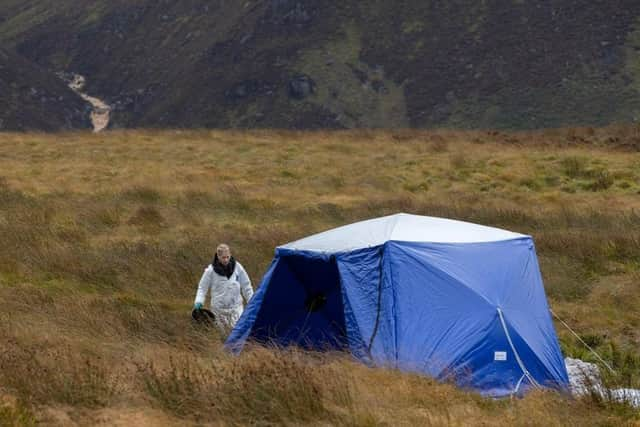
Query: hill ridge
x=319, y=64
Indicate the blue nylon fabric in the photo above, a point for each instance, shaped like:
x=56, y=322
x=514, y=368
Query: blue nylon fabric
x=476, y=368
x=539, y=324
x=449, y=296
x=368, y=304
x=240, y=333
x=430, y=308
x=290, y=311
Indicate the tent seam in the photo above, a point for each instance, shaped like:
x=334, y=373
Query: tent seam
x=393, y=227
x=431, y=266
x=395, y=319
x=525, y=371
x=550, y=370
x=377, y=323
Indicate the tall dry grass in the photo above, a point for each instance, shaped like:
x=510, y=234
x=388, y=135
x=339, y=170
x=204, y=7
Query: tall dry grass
x=103, y=238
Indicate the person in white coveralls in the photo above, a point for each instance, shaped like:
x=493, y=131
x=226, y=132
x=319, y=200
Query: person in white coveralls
x=229, y=283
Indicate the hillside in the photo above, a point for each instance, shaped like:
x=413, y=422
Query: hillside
x=33, y=98
x=104, y=237
x=324, y=64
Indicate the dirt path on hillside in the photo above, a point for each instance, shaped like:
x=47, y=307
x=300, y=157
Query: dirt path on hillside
x=101, y=110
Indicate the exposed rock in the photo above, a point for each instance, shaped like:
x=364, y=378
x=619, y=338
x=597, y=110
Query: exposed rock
x=379, y=87
x=301, y=86
x=362, y=76
x=248, y=88
x=290, y=12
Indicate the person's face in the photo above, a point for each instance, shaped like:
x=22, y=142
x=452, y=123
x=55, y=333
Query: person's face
x=224, y=257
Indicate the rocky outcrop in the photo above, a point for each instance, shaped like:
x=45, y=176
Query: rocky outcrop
x=301, y=86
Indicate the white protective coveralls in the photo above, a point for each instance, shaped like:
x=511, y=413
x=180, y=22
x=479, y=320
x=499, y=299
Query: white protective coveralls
x=226, y=294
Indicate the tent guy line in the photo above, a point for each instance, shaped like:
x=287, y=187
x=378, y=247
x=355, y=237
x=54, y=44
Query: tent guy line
x=582, y=341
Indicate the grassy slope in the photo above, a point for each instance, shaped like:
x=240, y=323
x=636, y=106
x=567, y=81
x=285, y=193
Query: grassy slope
x=470, y=64
x=34, y=99
x=104, y=238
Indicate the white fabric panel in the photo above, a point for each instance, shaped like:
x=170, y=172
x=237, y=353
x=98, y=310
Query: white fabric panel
x=363, y=234
x=400, y=227
x=415, y=228
x=584, y=379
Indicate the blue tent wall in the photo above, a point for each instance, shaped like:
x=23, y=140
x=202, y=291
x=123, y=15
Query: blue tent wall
x=240, y=333
x=446, y=310
x=368, y=302
x=301, y=304
x=447, y=298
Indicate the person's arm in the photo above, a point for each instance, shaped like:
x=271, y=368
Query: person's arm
x=203, y=287
x=245, y=283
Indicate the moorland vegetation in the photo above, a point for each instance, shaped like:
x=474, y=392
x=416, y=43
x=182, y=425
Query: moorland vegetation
x=104, y=236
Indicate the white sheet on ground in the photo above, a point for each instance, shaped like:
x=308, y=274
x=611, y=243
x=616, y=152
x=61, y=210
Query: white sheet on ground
x=584, y=378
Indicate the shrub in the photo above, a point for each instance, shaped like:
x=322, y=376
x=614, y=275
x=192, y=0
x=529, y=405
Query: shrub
x=602, y=181
x=575, y=167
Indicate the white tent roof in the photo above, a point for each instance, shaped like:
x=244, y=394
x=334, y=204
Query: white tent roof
x=400, y=227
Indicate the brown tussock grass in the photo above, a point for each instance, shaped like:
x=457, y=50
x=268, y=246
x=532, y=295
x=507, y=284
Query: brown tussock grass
x=104, y=236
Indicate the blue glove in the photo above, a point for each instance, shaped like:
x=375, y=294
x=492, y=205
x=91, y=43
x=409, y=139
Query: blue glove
x=197, y=306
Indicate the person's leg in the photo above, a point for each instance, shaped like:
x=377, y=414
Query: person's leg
x=227, y=319
x=235, y=316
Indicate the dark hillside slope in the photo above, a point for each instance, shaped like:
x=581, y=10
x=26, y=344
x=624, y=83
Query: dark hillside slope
x=34, y=99
x=372, y=63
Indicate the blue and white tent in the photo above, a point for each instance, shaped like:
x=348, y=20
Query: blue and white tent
x=450, y=299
